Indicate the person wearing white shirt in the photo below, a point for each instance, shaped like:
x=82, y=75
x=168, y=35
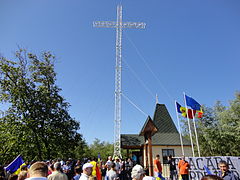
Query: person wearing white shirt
x=112, y=174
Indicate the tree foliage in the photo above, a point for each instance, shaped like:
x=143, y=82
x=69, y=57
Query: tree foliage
x=36, y=123
x=103, y=148
x=219, y=129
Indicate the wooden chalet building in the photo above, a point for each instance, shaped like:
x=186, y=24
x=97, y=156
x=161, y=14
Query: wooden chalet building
x=165, y=140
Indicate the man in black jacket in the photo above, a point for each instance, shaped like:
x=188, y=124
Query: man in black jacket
x=172, y=166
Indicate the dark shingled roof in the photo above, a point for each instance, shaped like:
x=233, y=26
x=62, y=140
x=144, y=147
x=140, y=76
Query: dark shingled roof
x=167, y=133
x=163, y=120
x=168, y=139
x=133, y=140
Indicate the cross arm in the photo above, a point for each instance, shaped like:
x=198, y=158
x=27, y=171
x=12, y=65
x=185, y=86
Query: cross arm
x=113, y=24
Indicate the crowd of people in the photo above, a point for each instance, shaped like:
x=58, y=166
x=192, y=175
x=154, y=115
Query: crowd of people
x=112, y=169
x=76, y=169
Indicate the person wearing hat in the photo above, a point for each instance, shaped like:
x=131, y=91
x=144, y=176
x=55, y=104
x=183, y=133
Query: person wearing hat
x=137, y=172
x=87, y=171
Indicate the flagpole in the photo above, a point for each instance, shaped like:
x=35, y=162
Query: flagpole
x=179, y=128
x=190, y=132
x=195, y=129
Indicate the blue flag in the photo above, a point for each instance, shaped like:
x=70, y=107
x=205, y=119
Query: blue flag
x=192, y=103
x=207, y=170
x=15, y=164
x=160, y=176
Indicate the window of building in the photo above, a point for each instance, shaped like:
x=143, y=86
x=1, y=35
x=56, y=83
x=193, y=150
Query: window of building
x=166, y=153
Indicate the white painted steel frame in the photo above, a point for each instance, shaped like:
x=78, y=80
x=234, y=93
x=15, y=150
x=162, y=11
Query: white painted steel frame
x=118, y=70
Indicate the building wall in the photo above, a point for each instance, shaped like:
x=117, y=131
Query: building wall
x=177, y=150
x=178, y=153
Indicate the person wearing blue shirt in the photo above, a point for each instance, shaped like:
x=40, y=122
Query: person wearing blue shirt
x=78, y=171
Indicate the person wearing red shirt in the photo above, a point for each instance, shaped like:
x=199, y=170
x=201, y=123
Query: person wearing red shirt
x=184, y=168
x=157, y=166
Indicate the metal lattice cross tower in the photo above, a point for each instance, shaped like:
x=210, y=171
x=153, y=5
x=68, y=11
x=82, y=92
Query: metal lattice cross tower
x=119, y=25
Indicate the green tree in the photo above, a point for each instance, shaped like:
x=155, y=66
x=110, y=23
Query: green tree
x=105, y=149
x=36, y=123
x=208, y=131
x=219, y=129
x=229, y=128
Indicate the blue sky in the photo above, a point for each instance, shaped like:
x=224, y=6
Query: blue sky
x=190, y=46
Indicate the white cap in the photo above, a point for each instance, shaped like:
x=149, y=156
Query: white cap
x=137, y=171
x=87, y=165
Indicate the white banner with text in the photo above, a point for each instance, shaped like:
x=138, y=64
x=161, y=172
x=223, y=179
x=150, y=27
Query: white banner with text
x=197, y=164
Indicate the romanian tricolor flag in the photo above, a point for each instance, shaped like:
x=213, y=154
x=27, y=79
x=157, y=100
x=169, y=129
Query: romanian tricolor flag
x=199, y=114
x=189, y=112
x=15, y=165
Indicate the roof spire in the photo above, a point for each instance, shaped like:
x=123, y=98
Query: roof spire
x=156, y=99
